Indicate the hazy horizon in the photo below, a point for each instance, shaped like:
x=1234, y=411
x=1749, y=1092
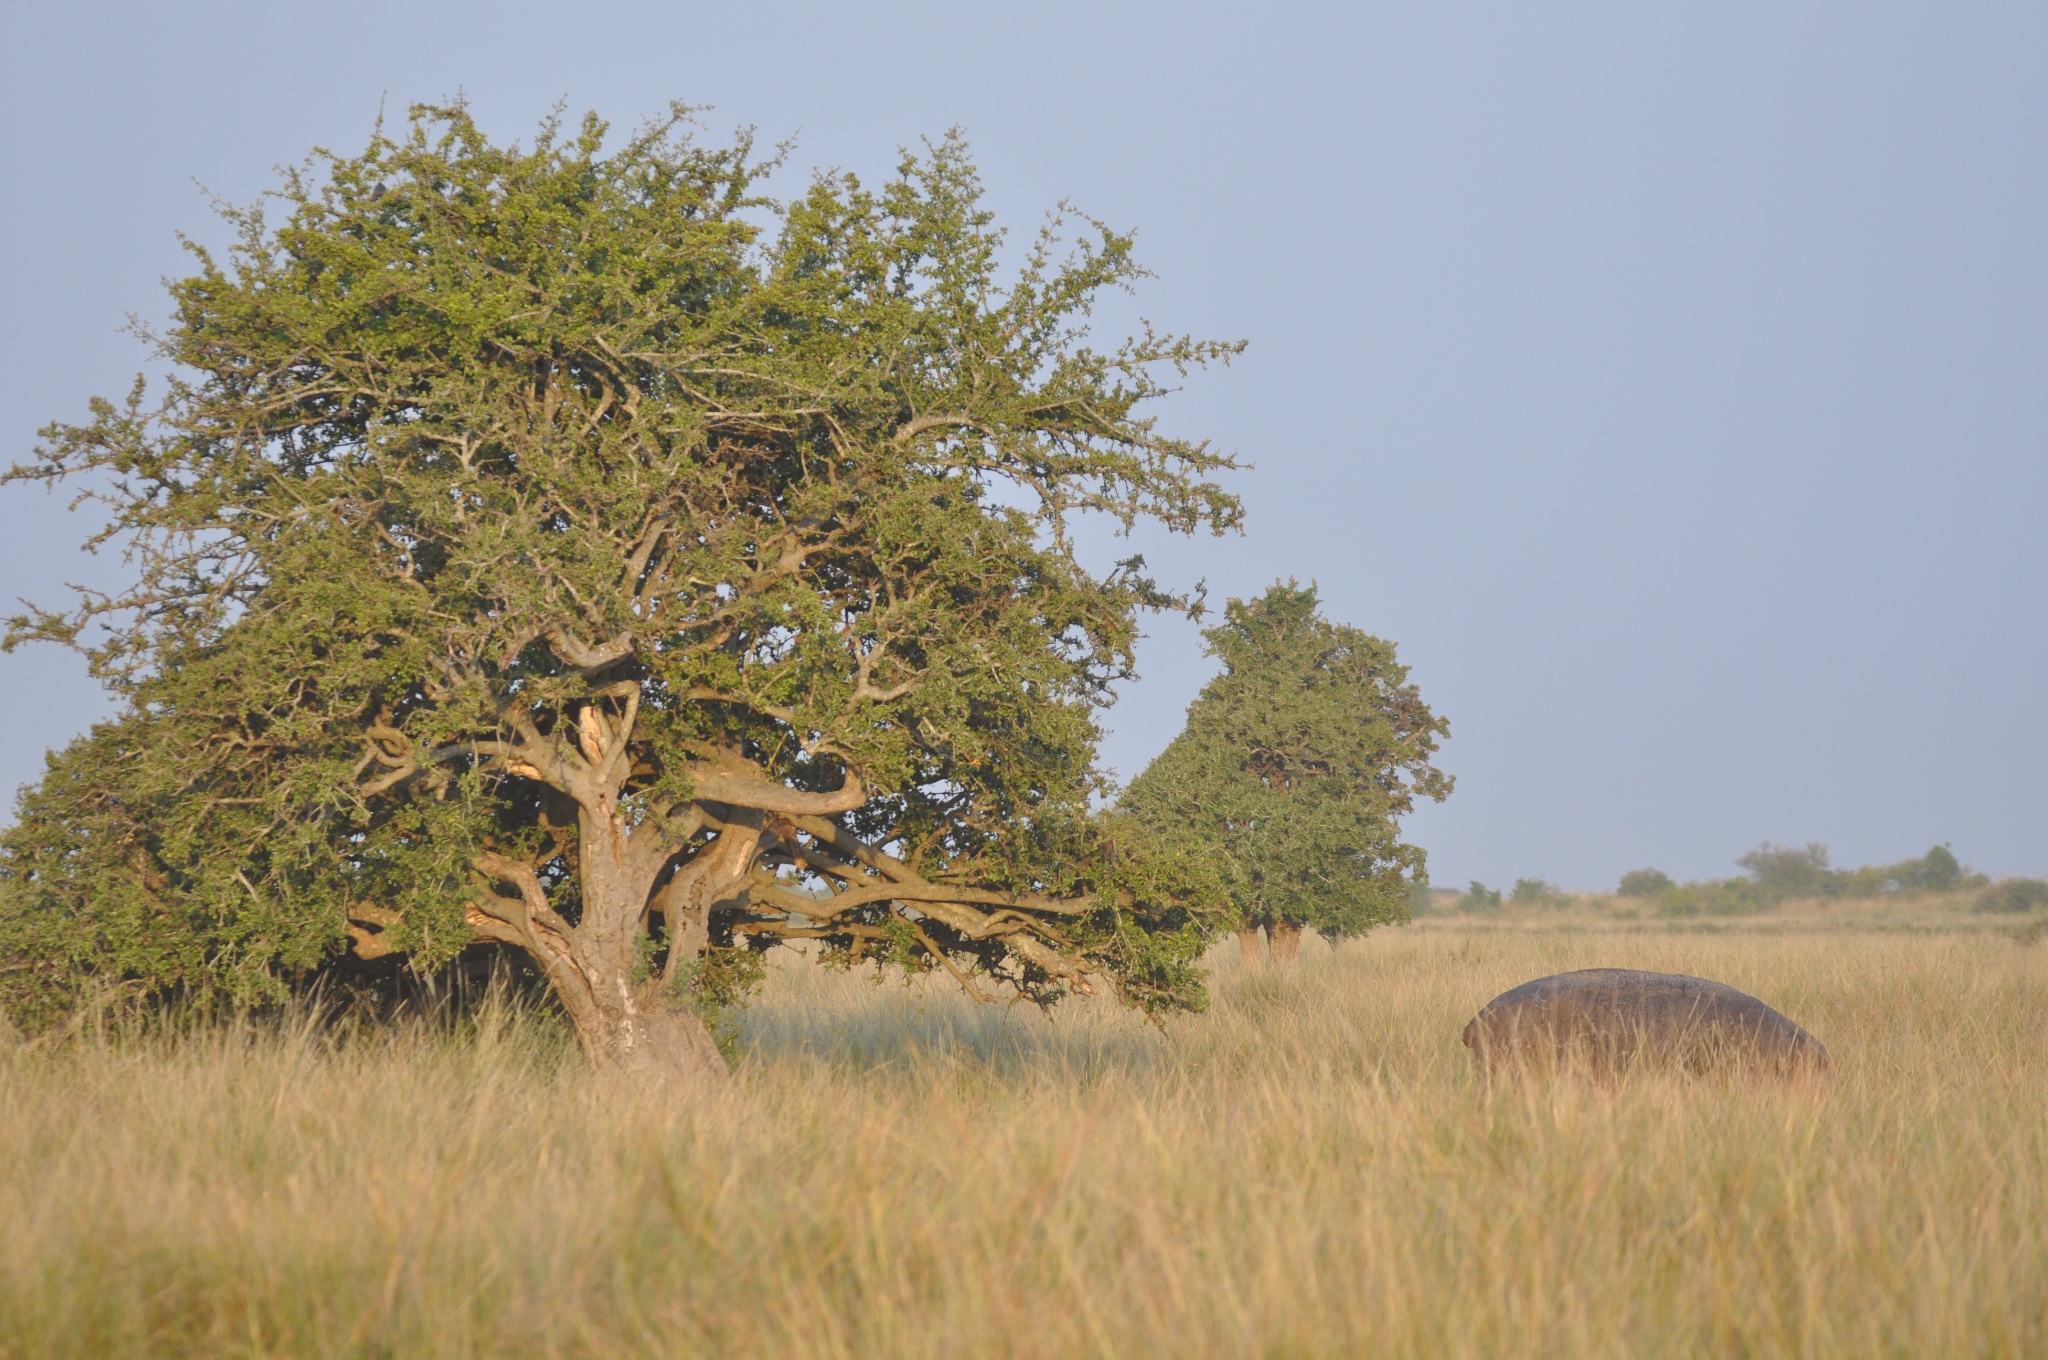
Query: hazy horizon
x=1668, y=385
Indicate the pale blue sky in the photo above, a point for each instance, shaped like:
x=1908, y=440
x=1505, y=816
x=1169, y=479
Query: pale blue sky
x=1667, y=380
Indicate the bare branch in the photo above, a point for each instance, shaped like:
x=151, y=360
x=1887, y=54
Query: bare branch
x=910, y=429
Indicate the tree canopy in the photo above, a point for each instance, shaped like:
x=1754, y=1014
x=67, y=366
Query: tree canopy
x=572, y=548
x=1295, y=767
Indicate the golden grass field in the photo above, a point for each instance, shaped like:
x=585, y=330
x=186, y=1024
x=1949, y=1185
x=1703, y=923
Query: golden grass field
x=1309, y=1169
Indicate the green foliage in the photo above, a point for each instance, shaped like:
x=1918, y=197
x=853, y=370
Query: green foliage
x=1534, y=892
x=1644, y=883
x=1295, y=767
x=502, y=501
x=1479, y=897
x=2014, y=895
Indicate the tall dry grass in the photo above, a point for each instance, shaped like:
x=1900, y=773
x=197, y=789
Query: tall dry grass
x=1310, y=1169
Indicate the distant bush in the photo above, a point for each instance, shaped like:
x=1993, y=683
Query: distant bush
x=2014, y=895
x=1936, y=871
x=1783, y=871
x=1479, y=897
x=1727, y=897
x=1645, y=883
x=1534, y=892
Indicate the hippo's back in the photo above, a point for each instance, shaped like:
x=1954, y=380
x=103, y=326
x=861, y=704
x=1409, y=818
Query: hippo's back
x=1609, y=1018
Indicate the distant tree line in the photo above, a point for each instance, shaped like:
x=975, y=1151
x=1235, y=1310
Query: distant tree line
x=1781, y=873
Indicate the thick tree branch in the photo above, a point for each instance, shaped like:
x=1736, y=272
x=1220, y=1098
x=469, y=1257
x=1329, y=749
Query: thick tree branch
x=489, y=927
x=717, y=786
x=852, y=847
x=369, y=945
x=1050, y=962
x=910, y=429
x=574, y=651
x=531, y=907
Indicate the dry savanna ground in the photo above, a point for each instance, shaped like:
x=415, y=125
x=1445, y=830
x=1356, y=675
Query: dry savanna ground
x=1309, y=1169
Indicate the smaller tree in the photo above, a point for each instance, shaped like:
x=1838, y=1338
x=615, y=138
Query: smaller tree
x=1295, y=767
x=1645, y=883
x=1784, y=871
x=1937, y=871
x=1479, y=897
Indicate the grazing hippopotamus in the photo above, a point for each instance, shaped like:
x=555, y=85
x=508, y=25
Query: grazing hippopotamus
x=1606, y=1019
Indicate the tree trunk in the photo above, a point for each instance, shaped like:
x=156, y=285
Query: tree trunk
x=646, y=1036
x=627, y=1023
x=1254, y=948
x=627, y=1027
x=1286, y=941
x=598, y=966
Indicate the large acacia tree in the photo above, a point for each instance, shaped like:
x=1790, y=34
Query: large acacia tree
x=1296, y=766
x=570, y=548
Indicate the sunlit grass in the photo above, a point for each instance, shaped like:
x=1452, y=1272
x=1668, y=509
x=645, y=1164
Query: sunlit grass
x=1309, y=1169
